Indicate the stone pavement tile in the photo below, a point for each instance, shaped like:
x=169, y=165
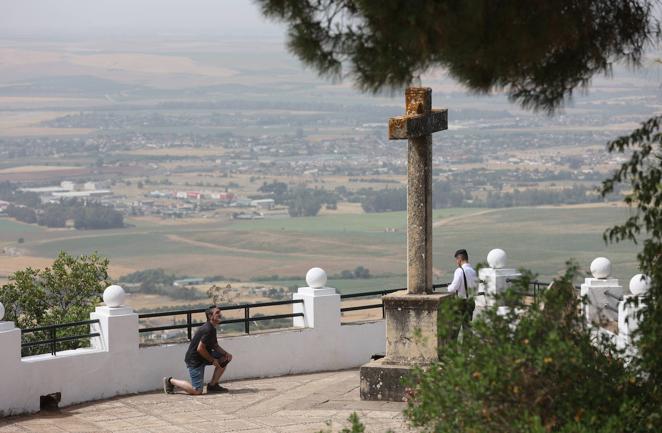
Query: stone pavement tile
x=307, y=413
x=77, y=426
x=115, y=425
x=194, y=416
x=213, y=414
x=230, y=407
x=94, y=406
x=223, y=426
x=312, y=427
x=219, y=400
x=183, y=418
x=123, y=412
x=148, y=421
x=146, y=398
x=279, y=421
x=361, y=405
x=11, y=428
x=384, y=427
x=260, y=430
x=41, y=428
x=245, y=398
x=382, y=414
x=181, y=403
x=265, y=407
x=168, y=429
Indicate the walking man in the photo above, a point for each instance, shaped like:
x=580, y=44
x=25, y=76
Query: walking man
x=465, y=282
x=203, y=350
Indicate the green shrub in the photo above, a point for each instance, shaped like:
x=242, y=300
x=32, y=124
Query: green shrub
x=66, y=292
x=539, y=369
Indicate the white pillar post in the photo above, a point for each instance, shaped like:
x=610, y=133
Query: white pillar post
x=321, y=304
x=118, y=324
x=494, y=280
x=629, y=307
x=10, y=365
x=602, y=292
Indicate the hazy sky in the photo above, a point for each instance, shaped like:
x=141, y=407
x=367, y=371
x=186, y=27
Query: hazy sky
x=59, y=18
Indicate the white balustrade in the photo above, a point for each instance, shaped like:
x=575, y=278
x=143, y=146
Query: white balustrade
x=116, y=364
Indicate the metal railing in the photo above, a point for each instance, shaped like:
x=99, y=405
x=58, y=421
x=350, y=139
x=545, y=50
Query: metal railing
x=614, y=296
x=189, y=325
x=379, y=293
x=53, y=339
x=537, y=286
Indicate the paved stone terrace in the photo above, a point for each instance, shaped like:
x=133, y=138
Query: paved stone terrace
x=289, y=404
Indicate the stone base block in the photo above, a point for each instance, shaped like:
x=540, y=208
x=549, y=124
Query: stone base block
x=383, y=382
x=412, y=327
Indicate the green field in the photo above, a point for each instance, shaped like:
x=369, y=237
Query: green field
x=11, y=230
x=541, y=239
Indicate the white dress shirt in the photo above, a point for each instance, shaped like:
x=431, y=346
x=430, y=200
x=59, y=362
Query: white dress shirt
x=458, y=280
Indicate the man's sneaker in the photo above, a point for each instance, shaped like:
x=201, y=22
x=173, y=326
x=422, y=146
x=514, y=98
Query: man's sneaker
x=216, y=389
x=168, y=387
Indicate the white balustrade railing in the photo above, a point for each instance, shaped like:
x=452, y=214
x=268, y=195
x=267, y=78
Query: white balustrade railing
x=116, y=364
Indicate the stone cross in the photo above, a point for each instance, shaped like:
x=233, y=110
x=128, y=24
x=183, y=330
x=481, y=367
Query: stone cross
x=417, y=125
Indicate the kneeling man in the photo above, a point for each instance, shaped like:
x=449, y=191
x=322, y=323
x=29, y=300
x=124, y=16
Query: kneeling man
x=203, y=350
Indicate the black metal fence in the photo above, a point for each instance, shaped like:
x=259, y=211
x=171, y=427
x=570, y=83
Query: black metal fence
x=535, y=287
x=189, y=324
x=48, y=336
x=375, y=293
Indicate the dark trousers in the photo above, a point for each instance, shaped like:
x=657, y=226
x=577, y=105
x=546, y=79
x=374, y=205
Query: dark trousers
x=466, y=310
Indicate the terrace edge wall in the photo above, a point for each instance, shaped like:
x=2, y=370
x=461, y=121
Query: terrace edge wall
x=117, y=365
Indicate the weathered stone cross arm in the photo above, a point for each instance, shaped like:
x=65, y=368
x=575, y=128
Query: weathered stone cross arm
x=417, y=125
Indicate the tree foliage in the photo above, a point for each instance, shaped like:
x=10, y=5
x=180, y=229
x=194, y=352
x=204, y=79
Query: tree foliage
x=643, y=173
x=304, y=202
x=538, y=51
x=541, y=370
x=66, y=292
x=22, y=213
x=10, y=192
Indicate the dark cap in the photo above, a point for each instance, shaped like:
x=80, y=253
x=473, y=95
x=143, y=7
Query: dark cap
x=462, y=253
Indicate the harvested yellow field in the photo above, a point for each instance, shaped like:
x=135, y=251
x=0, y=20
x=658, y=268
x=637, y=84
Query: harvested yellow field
x=35, y=169
x=19, y=124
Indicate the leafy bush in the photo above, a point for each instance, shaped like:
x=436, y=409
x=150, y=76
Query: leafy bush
x=66, y=292
x=534, y=370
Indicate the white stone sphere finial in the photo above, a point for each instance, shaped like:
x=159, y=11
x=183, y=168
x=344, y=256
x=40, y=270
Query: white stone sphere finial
x=114, y=296
x=316, y=278
x=497, y=258
x=639, y=284
x=2, y=311
x=601, y=267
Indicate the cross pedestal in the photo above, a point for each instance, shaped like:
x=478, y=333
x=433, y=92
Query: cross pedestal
x=412, y=316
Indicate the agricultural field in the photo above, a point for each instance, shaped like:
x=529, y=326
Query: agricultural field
x=540, y=239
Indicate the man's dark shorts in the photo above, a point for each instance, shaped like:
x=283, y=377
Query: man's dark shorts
x=198, y=373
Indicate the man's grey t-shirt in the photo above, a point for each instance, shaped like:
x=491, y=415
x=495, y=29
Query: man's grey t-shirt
x=207, y=334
